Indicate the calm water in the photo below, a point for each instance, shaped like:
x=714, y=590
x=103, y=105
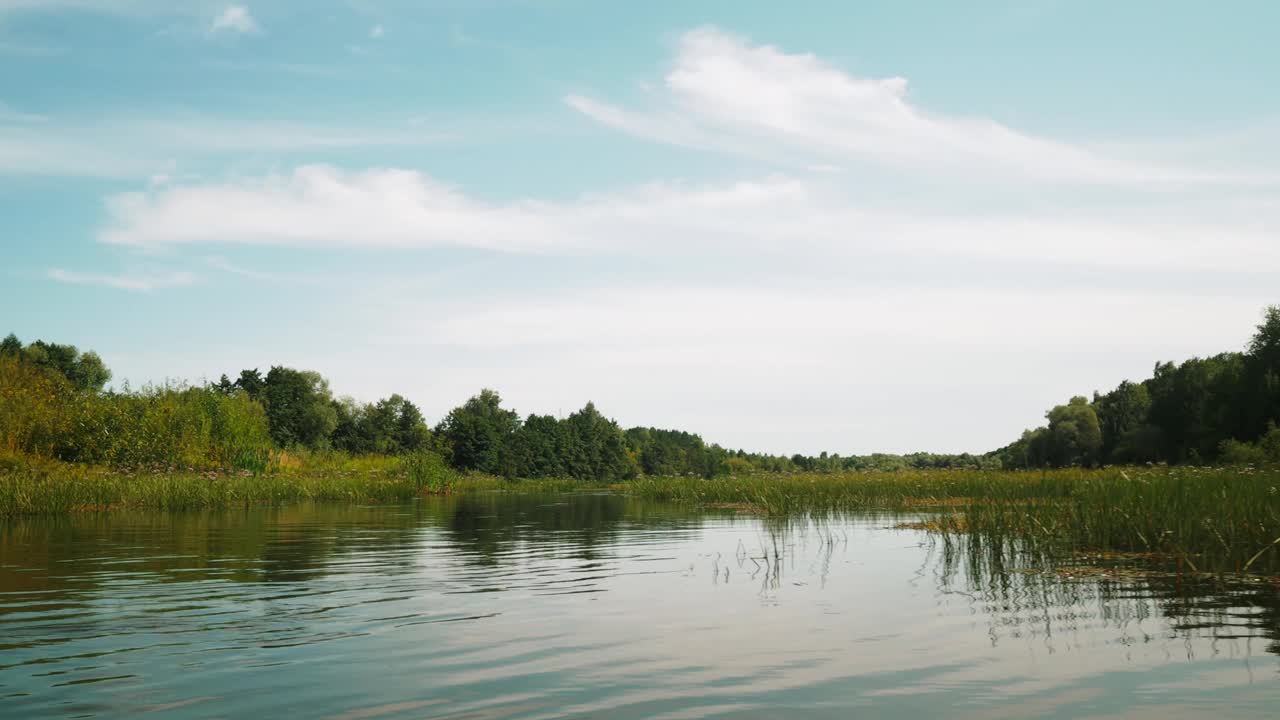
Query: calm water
x=592, y=606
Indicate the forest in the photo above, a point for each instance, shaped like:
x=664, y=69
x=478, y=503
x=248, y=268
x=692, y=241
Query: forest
x=55, y=403
x=1219, y=409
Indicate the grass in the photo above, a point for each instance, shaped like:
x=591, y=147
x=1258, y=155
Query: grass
x=41, y=486
x=30, y=486
x=1203, y=519
x=1206, y=520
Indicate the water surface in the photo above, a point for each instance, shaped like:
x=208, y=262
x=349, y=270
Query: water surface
x=504, y=606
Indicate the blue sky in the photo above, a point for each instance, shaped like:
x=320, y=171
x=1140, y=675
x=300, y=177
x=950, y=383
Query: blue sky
x=844, y=226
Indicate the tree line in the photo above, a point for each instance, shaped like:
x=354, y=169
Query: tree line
x=1222, y=408
x=72, y=417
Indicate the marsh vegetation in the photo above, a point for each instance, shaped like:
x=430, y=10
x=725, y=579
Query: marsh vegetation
x=68, y=443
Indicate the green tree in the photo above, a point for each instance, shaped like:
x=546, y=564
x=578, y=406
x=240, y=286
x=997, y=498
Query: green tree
x=1074, y=436
x=225, y=385
x=1194, y=405
x=598, y=450
x=392, y=426
x=409, y=428
x=11, y=345
x=252, y=383
x=1120, y=412
x=538, y=447
x=477, y=434
x=1263, y=375
x=299, y=407
x=85, y=371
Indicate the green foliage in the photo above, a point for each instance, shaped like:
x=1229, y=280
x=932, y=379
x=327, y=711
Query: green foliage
x=169, y=426
x=597, y=449
x=539, y=448
x=1218, y=520
x=1194, y=412
x=299, y=407
x=36, y=407
x=1073, y=436
x=672, y=452
x=250, y=381
x=1266, y=451
x=85, y=371
x=478, y=434
x=31, y=485
x=1234, y=452
x=43, y=415
x=427, y=471
x=1121, y=412
x=393, y=426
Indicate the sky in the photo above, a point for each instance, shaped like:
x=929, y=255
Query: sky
x=789, y=227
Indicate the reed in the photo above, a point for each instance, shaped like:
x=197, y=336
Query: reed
x=1203, y=519
x=1206, y=519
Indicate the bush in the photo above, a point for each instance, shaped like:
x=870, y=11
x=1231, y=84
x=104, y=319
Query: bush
x=1265, y=451
x=42, y=415
x=1234, y=452
x=35, y=408
x=428, y=471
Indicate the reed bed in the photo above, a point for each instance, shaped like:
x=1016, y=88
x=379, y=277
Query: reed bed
x=1202, y=519
x=31, y=486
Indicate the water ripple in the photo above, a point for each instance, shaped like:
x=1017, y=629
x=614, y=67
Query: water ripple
x=588, y=606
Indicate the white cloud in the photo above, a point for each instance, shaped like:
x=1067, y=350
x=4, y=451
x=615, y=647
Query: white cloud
x=842, y=303
x=724, y=93
x=322, y=206
x=235, y=18
x=376, y=32
x=142, y=282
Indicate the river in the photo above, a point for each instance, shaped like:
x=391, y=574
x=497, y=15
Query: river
x=594, y=606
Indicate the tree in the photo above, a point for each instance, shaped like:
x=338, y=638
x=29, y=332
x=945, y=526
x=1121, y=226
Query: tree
x=1265, y=343
x=251, y=382
x=299, y=407
x=1120, y=412
x=11, y=345
x=85, y=371
x=1074, y=436
x=410, y=427
x=1194, y=405
x=224, y=385
x=538, y=446
x=1263, y=374
x=478, y=432
x=600, y=449
x=392, y=426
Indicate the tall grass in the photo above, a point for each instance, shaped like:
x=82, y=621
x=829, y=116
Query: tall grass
x=31, y=486
x=783, y=494
x=1216, y=520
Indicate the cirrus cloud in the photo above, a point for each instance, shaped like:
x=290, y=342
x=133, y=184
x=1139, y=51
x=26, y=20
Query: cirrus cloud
x=142, y=282
x=724, y=93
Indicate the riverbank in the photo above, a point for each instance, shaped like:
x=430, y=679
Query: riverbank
x=34, y=486
x=1219, y=519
